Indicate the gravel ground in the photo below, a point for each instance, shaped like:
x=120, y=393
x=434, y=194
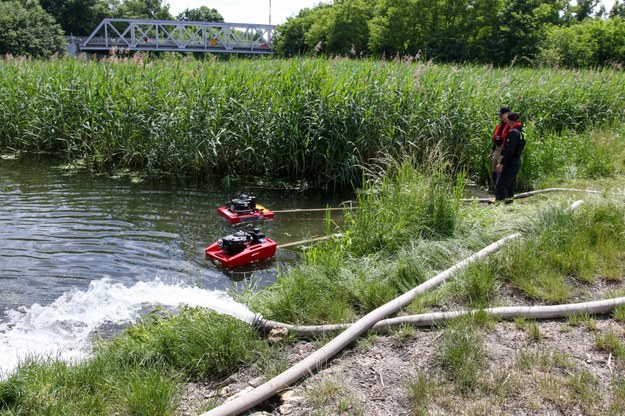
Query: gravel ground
x=552, y=367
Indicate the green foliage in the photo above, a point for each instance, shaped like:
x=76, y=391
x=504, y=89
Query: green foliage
x=142, y=9
x=201, y=14
x=476, y=285
x=151, y=393
x=27, y=30
x=404, y=203
x=420, y=388
x=591, y=43
x=618, y=10
x=47, y=386
x=291, y=37
x=488, y=31
x=306, y=295
x=610, y=342
x=349, y=275
x=77, y=17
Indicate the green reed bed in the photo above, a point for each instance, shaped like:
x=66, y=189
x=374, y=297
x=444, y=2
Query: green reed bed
x=300, y=119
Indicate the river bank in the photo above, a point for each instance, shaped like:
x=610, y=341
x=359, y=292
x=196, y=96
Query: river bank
x=480, y=366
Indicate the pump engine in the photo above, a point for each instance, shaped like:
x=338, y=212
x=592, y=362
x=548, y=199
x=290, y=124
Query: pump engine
x=244, y=204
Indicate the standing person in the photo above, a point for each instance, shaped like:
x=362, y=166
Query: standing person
x=499, y=136
x=510, y=164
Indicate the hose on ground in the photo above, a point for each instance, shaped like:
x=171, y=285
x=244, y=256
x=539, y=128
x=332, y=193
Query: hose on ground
x=533, y=193
x=435, y=318
x=322, y=355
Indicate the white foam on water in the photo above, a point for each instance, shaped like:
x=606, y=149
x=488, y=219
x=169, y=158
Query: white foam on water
x=62, y=329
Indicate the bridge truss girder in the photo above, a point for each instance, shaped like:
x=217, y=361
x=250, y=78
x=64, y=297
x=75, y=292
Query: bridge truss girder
x=180, y=36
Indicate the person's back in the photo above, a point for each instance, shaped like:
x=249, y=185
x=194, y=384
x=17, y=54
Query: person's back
x=510, y=164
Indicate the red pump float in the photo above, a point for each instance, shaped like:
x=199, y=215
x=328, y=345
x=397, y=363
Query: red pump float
x=242, y=248
x=243, y=209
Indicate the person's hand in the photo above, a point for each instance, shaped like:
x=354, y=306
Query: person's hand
x=499, y=168
x=490, y=156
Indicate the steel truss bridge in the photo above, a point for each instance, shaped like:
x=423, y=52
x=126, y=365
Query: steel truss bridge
x=180, y=36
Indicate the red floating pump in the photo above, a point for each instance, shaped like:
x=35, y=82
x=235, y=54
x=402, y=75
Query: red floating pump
x=242, y=248
x=243, y=209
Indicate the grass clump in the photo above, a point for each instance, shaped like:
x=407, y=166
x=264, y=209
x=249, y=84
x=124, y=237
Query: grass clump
x=563, y=247
x=140, y=371
x=610, y=341
x=99, y=387
x=331, y=396
x=476, y=285
x=401, y=204
x=462, y=355
x=585, y=390
x=619, y=313
x=195, y=342
x=420, y=387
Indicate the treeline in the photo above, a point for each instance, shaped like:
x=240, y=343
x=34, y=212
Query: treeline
x=529, y=32
x=37, y=28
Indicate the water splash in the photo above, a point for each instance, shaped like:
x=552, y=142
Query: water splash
x=62, y=329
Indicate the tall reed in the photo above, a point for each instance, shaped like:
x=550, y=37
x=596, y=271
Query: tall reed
x=302, y=119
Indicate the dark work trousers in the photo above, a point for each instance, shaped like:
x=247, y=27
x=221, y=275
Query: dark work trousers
x=506, y=182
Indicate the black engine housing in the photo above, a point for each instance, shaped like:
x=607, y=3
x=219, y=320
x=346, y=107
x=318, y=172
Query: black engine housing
x=244, y=204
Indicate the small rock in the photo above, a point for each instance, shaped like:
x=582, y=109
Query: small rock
x=255, y=382
x=285, y=409
x=226, y=391
x=277, y=334
x=290, y=396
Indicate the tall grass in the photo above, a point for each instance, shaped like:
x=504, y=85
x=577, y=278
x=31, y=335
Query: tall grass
x=309, y=119
x=564, y=248
x=351, y=274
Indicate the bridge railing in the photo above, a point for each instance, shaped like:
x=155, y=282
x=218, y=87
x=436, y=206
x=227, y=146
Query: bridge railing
x=183, y=36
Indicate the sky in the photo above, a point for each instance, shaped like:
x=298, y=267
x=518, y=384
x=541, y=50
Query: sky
x=247, y=11
x=257, y=11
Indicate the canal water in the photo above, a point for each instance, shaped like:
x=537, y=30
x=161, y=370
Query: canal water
x=79, y=251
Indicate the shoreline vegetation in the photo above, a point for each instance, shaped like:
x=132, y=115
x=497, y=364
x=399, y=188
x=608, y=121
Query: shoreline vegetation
x=411, y=135
x=314, y=120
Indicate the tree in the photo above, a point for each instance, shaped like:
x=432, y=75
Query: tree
x=590, y=43
x=290, y=38
x=618, y=10
x=395, y=28
x=523, y=28
x=28, y=30
x=348, y=31
x=142, y=9
x=201, y=14
x=584, y=8
x=77, y=17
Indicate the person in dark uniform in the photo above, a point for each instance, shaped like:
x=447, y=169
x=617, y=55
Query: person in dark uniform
x=510, y=164
x=499, y=135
